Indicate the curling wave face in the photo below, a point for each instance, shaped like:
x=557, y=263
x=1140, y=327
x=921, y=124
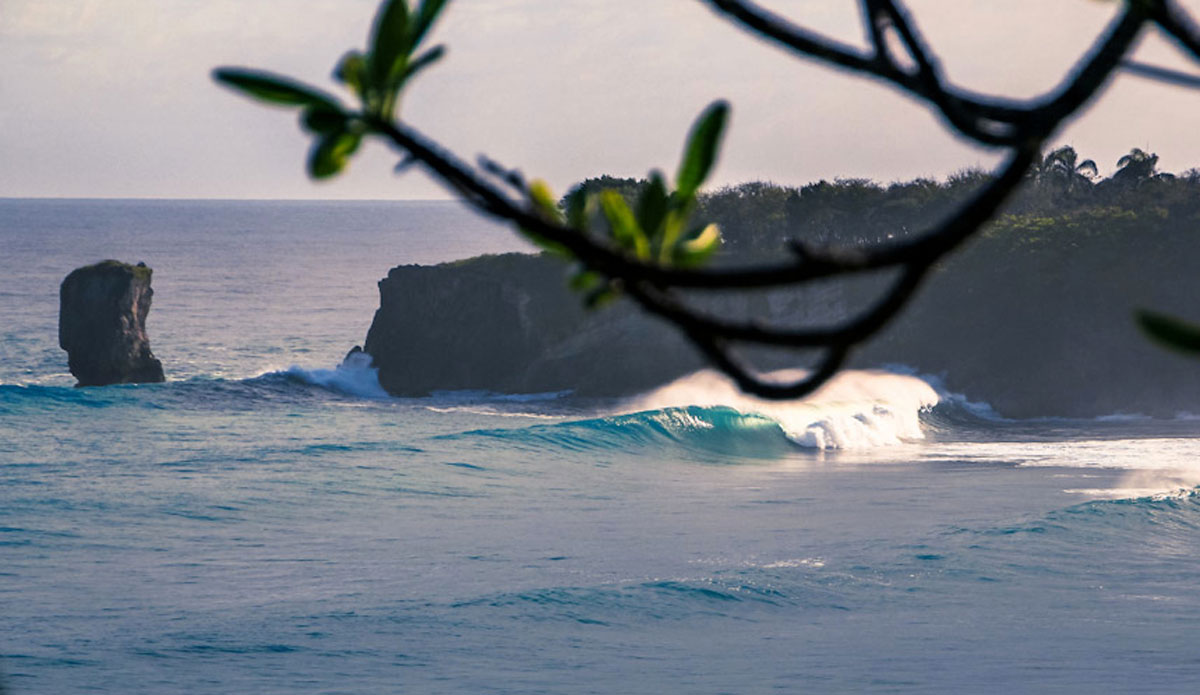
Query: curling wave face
x=704, y=412
x=856, y=409
x=704, y=431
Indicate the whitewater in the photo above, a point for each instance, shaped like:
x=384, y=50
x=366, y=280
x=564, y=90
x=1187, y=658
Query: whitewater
x=271, y=521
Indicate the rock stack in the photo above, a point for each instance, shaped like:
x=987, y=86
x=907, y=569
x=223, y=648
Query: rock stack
x=102, y=324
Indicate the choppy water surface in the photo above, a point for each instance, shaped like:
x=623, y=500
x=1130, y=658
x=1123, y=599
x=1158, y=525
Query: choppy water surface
x=251, y=527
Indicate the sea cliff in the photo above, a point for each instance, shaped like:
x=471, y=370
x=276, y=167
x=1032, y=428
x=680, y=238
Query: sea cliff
x=508, y=324
x=1034, y=317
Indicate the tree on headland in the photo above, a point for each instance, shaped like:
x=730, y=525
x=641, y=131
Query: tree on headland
x=1138, y=166
x=1062, y=166
x=650, y=250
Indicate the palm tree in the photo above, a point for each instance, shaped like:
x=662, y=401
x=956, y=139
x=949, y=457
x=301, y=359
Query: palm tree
x=1062, y=166
x=1138, y=166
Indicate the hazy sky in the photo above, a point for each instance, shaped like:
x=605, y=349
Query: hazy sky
x=103, y=98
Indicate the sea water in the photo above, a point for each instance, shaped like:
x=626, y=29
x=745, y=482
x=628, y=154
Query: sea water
x=269, y=522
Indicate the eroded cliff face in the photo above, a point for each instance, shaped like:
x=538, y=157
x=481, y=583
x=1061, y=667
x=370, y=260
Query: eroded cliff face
x=1049, y=330
x=509, y=324
x=1035, y=332
x=102, y=324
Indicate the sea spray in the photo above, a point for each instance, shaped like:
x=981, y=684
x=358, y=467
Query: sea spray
x=355, y=376
x=855, y=409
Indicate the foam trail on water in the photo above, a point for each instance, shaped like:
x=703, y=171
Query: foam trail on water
x=355, y=376
x=855, y=409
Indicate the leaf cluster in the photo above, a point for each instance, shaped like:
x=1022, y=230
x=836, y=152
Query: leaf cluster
x=376, y=77
x=655, y=227
x=1170, y=332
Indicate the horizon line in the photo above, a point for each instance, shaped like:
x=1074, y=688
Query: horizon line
x=225, y=200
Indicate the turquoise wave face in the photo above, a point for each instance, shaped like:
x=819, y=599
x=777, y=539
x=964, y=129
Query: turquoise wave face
x=714, y=431
x=710, y=430
x=285, y=526
x=1165, y=519
x=288, y=386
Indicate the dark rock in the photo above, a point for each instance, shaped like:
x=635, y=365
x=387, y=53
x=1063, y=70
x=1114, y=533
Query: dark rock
x=354, y=356
x=102, y=324
x=1034, y=334
x=509, y=324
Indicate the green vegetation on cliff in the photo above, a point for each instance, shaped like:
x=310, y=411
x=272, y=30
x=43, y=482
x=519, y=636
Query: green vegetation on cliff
x=1035, y=315
x=140, y=271
x=1060, y=201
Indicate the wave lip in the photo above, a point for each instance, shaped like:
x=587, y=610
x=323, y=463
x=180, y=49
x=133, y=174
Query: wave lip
x=856, y=409
x=355, y=377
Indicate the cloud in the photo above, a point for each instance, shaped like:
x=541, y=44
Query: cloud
x=47, y=19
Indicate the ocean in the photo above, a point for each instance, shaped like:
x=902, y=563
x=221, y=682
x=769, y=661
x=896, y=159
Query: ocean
x=268, y=521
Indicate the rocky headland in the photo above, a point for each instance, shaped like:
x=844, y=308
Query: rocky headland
x=1035, y=316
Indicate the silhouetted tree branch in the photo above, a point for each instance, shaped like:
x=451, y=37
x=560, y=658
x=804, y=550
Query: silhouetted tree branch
x=648, y=254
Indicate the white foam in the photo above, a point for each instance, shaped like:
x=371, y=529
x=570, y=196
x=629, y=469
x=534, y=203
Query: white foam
x=813, y=562
x=1124, y=417
x=854, y=410
x=476, y=395
x=1149, y=464
x=1134, y=454
x=484, y=409
x=355, y=377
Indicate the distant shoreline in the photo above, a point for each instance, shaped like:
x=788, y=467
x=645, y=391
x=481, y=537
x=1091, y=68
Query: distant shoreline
x=323, y=201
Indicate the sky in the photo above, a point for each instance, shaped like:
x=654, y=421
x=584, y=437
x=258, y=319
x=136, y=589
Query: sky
x=114, y=98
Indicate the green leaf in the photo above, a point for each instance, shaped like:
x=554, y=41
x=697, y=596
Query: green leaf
x=578, y=203
x=389, y=44
x=601, y=297
x=677, y=217
x=552, y=247
x=700, y=248
x=420, y=63
x=426, y=16
x=331, y=153
x=543, y=200
x=322, y=121
x=652, y=205
x=703, y=144
x=625, y=229
x=1169, y=331
x=352, y=72
x=585, y=280
x=274, y=89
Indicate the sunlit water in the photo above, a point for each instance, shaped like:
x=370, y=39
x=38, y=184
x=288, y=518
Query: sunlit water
x=265, y=523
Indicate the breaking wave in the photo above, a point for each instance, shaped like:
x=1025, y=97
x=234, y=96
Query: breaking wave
x=355, y=377
x=854, y=410
x=706, y=412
